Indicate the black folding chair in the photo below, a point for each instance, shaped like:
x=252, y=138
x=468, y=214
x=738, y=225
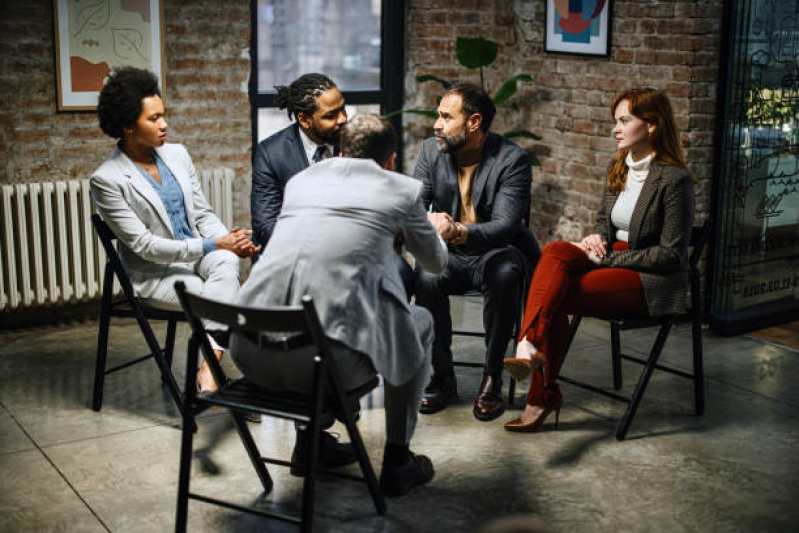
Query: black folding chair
x=293, y=334
x=693, y=315
x=130, y=307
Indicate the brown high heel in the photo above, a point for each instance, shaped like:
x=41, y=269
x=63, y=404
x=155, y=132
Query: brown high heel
x=521, y=427
x=519, y=368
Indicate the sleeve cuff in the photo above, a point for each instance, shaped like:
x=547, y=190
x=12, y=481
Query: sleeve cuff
x=209, y=245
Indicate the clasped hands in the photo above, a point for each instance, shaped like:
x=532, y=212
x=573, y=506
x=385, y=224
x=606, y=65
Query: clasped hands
x=238, y=241
x=593, y=244
x=444, y=224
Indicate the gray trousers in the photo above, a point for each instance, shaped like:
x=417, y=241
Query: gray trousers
x=355, y=369
x=215, y=276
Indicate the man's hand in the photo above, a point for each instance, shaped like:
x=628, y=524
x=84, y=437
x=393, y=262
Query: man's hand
x=594, y=244
x=444, y=225
x=238, y=241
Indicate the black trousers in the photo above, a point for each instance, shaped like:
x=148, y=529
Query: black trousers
x=498, y=275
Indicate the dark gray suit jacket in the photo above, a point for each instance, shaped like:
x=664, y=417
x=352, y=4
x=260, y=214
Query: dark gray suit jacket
x=500, y=193
x=277, y=158
x=660, y=230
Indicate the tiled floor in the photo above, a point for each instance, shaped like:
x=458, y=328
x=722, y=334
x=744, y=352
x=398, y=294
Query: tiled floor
x=66, y=468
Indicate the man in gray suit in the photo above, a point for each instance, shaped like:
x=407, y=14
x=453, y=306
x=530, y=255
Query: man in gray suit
x=334, y=240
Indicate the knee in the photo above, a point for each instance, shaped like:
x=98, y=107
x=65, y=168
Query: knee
x=505, y=273
x=224, y=262
x=559, y=250
x=425, y=284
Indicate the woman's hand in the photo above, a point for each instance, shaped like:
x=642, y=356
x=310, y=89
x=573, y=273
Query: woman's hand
x=594, y=244
x=238, y=241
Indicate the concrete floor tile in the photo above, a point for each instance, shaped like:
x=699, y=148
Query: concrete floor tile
x=34, y=497
x=12, y=438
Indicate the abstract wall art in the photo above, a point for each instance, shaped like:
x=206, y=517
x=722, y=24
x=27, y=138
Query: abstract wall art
x=578, y=27
x=94, y=36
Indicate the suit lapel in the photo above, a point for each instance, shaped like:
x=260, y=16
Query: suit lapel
x=452, y=188
x=484, y=169
x=142, y=186
x=648, y=191
x=298, y=148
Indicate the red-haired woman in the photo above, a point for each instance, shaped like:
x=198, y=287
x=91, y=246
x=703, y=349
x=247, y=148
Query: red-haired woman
x=633, y=264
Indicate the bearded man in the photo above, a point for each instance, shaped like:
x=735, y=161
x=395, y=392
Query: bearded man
x=476, y=185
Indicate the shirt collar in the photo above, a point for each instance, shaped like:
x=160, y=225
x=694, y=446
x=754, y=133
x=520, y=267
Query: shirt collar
x=310, y=146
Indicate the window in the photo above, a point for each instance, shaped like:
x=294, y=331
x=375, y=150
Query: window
x=357, y=43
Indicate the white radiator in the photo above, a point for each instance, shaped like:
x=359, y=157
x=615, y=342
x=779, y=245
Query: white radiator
x=49, y=253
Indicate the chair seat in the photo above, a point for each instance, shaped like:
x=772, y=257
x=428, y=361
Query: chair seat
x=242, y=394
x=649, y=321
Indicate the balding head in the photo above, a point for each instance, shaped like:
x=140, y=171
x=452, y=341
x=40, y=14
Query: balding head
x=369, y=137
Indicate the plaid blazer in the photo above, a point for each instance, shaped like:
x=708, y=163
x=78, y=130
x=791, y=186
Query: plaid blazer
x=660, y=231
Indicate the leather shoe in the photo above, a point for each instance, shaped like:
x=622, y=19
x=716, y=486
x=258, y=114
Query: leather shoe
x=332, y=453
x=438, y=394
x=399, y=480
x=489, y=404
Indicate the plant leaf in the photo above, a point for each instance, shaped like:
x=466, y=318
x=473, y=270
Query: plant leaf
x=508, y=88
x=475, y=53
x=522, y=133
x=426, y=112
x=534, y=161
x=429, y=77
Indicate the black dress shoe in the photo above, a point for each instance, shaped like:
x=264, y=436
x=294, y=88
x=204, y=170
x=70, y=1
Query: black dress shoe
x=438, y=394
x=332, y=453
x=399, y=480
x=489, y=405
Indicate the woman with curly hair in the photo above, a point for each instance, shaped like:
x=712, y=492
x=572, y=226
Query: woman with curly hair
x=634, y=263
x=149, y=195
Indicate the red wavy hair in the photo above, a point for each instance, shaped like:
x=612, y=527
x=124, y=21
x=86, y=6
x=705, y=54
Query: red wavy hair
x=654, y=108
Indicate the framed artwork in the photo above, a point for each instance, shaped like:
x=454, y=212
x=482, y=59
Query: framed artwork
x=94, y=36
x=578, y=27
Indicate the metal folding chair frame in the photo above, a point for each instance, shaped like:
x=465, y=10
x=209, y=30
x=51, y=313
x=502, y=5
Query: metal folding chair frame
x=240, y=395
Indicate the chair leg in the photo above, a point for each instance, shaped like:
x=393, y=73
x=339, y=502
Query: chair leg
x=252, y=452
x=643, y=381
x=158, y=355
x=615, y=344
x=186, y=441
x=699, y=369
x=511, y=391
x=363, y=460
x=102, y=339
x=169, y=345
x=308, y=486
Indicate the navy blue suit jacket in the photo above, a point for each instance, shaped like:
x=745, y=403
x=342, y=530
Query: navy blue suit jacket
x=277, y=158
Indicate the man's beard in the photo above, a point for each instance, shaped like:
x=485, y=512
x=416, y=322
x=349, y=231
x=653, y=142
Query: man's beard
x=330, y=137
x=448, y=144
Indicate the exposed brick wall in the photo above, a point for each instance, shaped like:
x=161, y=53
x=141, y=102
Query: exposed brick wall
x=207, y=67
x=670, y=44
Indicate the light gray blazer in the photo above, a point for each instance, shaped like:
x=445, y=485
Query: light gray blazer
x=135, y=213
x=660, y=230
x=334, y=241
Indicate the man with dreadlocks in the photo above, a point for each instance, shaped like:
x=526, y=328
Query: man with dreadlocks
x=318, y=107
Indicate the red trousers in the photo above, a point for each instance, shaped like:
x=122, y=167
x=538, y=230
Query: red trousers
x=565, y=283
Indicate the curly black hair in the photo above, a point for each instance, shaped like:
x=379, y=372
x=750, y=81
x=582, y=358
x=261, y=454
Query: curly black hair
x=120, y=100
x=301, y=95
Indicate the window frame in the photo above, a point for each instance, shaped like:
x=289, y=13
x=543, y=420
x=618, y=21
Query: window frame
x=389, y=96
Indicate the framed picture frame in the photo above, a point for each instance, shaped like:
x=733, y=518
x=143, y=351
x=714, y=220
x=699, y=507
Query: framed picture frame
x=94, y=36
x=579, y=27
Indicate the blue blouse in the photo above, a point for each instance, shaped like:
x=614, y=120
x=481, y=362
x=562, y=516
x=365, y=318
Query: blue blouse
x=172, y=197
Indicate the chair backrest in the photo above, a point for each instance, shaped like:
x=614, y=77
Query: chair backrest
x=699, y=238
x=294, y=331
x=107, y=238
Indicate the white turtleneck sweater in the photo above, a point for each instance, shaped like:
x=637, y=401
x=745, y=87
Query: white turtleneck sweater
x=622, y=212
